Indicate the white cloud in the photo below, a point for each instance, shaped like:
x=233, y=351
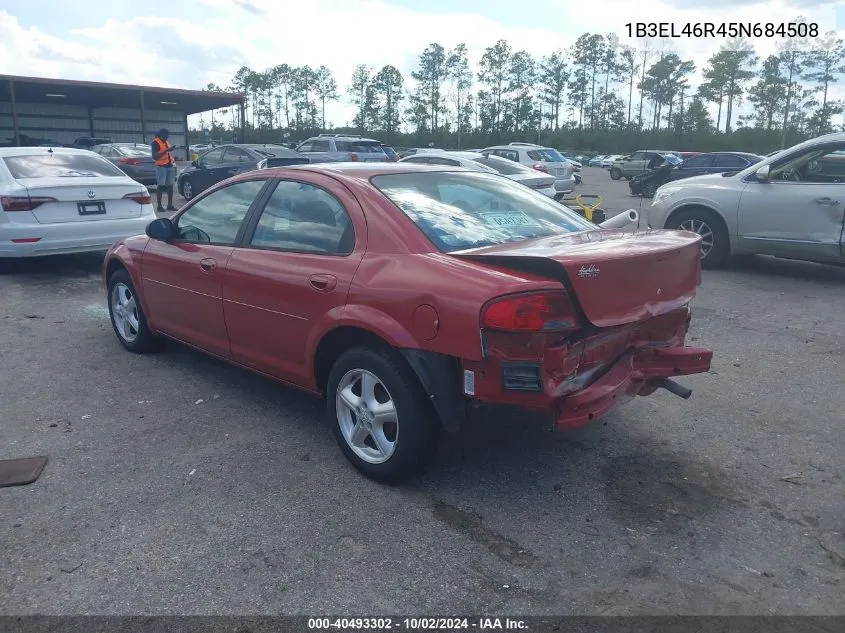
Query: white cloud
x=170, y=51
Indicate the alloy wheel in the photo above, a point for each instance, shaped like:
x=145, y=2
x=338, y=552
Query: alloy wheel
x=124, y=310
x=697, y=225
x=367, y=416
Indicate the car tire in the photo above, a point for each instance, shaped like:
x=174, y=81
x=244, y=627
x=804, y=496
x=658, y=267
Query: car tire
x=615, y=174
x=127, y=316
x=186, y=188
x=715, y=247
x=397, y=448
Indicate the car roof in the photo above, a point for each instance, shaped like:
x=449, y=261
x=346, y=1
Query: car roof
x=362, y=172
x=36, y=151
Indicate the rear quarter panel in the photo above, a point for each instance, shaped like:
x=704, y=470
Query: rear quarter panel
x=388, y=289
x=402, y=271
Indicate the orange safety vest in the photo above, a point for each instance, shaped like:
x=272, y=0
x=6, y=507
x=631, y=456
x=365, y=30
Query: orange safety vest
x=166, y=159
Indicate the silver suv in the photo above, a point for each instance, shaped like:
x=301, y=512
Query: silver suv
x=342, y=148
x=545, y=159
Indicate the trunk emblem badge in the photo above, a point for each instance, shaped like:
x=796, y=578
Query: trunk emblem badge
x=589, y=271
x=660, y=291
x=91, y=193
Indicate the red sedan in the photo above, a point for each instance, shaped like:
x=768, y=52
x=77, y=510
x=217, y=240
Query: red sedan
x=404, y=293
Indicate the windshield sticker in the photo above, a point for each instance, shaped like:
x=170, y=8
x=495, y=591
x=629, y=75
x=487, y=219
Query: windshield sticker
x=509, y=219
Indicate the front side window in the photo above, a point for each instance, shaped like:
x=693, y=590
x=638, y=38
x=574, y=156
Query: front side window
x=320, y=146
x=300, y=217
x=57, y=165
x=217, y=217
x=212, y=158
x=462, y=210
x=821, y=165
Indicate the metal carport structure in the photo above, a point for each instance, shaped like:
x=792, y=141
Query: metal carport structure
x=36, y=111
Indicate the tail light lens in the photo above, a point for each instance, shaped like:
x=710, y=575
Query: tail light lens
x=23, y=203
x=130, y=161
x=353, y=157
x=550, y=311
x=540, y=167
x=141, y=197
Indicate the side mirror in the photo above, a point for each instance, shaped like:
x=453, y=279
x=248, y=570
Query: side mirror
x=763, y=173
x=160, y=229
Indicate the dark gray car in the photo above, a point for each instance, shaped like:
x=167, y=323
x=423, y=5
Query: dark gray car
x=226, y=161
x=134, y=159
x=342, y=148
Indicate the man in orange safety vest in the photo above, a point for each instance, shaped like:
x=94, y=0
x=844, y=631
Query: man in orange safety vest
x=165, y=168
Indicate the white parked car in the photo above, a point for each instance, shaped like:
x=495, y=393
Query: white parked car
x=540, y=182
x=65, y=200
x=545, y=159
x=607, y=161
x=789, y=205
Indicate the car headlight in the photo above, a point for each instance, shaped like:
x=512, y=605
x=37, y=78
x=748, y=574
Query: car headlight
x=662, y=193
x=262, y=164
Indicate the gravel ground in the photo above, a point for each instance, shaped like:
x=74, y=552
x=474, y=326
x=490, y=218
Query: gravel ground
x=178, y=484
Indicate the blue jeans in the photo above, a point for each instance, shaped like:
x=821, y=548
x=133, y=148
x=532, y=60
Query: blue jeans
x=165, y=176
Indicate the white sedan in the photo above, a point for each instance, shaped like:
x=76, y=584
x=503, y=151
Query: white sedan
x=539, y=181
x=64, y=200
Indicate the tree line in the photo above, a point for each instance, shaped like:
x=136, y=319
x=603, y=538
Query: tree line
x=597, y=95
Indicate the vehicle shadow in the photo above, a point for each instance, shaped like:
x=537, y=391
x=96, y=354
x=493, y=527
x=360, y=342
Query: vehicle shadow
x=53, y=266
x=502, y=458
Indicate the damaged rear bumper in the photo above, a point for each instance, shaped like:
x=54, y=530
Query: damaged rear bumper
x=636, y=373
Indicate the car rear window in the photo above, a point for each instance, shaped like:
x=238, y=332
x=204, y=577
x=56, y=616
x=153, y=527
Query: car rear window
x=388, y=150
x=136, y=151
x=547, y=155
x=462, y=210
x=359, y=147
x=501, y=165
x=60, y=166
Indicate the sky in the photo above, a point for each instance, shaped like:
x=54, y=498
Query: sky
x=190, y=43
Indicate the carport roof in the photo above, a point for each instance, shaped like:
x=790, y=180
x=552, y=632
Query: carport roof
x=104, y=95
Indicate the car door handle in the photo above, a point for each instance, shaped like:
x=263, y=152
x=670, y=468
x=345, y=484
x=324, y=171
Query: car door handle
x=828, y=202
x=208, y=264
x=323, y=283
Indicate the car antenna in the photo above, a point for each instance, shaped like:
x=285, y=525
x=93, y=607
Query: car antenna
x=50, y=151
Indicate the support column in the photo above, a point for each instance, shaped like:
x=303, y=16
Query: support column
x=15, y=126
x=91, y=122
x=243, y=122
x=187, y=141
x=143, y=119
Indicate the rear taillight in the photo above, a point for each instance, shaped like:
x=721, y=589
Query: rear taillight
x=23, y=203
x=130, y=161
x=353, y=157
x=550, y=311
x=540, y=167
x=141, y=197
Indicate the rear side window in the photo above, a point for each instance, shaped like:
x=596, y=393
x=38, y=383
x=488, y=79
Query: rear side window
x=729, y=160
x=60, y=166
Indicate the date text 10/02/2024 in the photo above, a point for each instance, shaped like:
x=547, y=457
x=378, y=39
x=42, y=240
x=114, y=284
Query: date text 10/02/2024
x=723, y=29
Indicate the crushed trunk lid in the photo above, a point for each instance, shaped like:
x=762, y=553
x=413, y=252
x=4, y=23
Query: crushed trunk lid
x=616, y=277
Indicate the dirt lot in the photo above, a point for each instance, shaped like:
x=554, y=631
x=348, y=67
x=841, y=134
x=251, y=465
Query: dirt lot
x=179, y=484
